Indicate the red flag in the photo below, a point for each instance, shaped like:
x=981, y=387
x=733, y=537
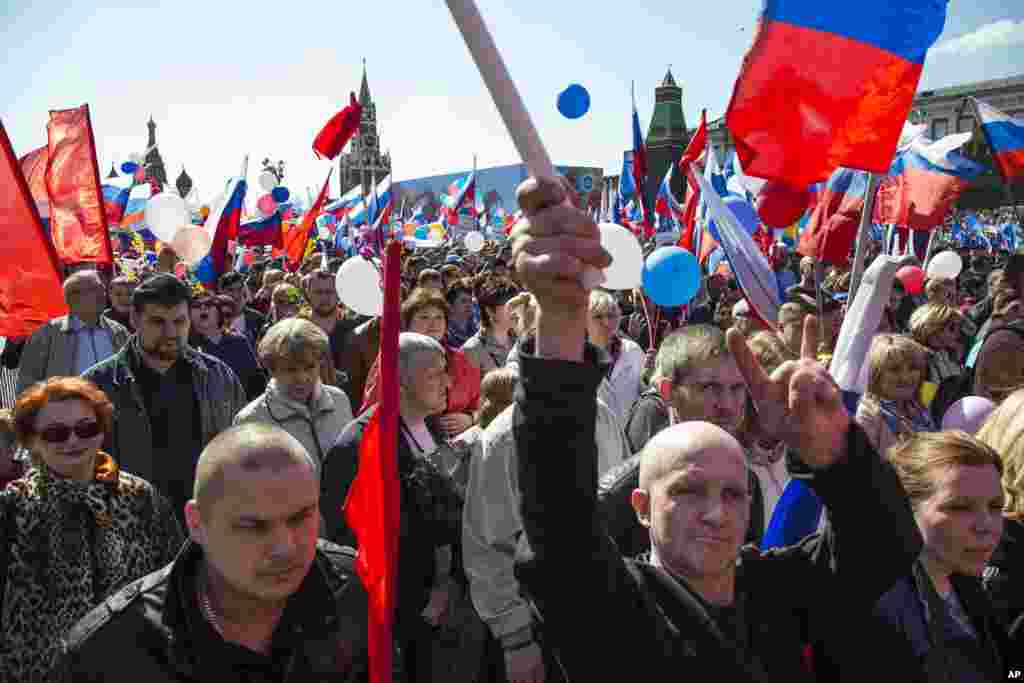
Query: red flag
x=339, y=130
x=372, y=508
x=30, y=288
x=78, y=222
x=695, y=148
x=33, y=167
x=297, y=239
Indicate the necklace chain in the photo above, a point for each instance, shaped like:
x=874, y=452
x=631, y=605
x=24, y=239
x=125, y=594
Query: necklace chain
x=207, y=609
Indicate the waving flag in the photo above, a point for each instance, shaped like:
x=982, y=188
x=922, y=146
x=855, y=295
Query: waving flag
x=365, y=210
x=1005, y=136
x=753, y=273
x=373, y=506
x=929, y=178
x=832, y=227
x=639, y=154
x=829, y=84
x=338, y=130
x=224, y=222
x=115, y=202
x=30, y=292
x=78, y=223
x=1008, y=236
x=298, y=243
x=689, y=235
x=461, y=198
x=341, y=207
x=33, y=167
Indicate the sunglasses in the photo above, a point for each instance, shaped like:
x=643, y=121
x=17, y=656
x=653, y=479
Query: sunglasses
x=59, y=433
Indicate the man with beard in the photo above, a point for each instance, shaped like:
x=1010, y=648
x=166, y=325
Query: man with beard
x=170, y=400
x=322, y=295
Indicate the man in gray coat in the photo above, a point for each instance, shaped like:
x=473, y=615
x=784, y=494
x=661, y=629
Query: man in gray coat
x=169, y=399
x=73, y=343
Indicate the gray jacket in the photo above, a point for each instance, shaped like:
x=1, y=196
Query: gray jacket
x=491, y=523
x=220, y=396
x=50, y=351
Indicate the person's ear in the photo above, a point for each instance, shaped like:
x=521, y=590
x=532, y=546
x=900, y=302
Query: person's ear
x=665, y=389
x=194, y=522
x=641, y=502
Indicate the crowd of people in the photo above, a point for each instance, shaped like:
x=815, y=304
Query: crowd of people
x=593, y=487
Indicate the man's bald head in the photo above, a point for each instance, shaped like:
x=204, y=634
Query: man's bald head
x=245, y=449
x=672, y=449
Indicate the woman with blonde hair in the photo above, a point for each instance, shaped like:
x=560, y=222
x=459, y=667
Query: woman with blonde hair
x=936, y=327
x=1004, y=432
x=890, y=408
x=936, y=623
x=297, y=399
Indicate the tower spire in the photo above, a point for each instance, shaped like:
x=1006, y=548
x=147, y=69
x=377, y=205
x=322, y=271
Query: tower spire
x=364, y=88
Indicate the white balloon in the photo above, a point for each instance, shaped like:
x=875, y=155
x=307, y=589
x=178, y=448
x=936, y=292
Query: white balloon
x=627, y=266
x=474, y=241
x=192, y=243
x=946, y=265
x=268, y=181
x=165, y=214
x=358, y=285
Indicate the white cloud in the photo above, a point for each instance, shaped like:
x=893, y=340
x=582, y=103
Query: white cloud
x=998, y=34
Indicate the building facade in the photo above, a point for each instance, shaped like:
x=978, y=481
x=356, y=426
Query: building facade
x=364, y=163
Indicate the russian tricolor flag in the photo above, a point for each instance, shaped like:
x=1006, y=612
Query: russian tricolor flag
x=829, y=84
x=223, y=221
x=341, y=207
x=832, y=228
x=924, y=184
x=1005, y=136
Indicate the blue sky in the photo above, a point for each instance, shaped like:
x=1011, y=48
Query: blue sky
x=223, y=79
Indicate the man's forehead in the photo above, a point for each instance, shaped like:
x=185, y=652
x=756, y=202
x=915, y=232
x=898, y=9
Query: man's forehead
x=159, y=310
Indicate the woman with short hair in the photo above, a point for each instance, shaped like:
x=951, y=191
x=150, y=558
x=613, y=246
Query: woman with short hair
x=425, y=311
x=489, y=347
x=74, y=529
x=625, y=374
x=296, y=399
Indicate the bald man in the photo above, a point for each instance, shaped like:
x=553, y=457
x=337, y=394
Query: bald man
x=253, y=590
x=72, y=343
x=701, y=603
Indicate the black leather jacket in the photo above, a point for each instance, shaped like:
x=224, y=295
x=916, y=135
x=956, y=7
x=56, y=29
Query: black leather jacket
x=152, y=631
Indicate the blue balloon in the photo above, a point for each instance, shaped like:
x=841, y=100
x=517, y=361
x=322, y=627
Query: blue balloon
x=744, y=213
x=671, y=276
x=574, y=101
x=421, y=232
x=129, y=167
x=280, y=194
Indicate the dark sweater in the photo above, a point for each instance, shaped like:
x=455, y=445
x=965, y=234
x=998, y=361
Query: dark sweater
x=642, y=620
x=236, y=352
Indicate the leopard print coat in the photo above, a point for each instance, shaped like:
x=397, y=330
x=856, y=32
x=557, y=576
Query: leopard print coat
x=70, y=545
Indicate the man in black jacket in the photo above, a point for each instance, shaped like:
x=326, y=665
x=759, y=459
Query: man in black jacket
x=253, y=596
x=702, y=603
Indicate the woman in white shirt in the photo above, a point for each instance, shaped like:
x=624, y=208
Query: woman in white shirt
x=625, y=374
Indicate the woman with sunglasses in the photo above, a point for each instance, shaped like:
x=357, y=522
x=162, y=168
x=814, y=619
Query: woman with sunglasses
x=74, y=529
